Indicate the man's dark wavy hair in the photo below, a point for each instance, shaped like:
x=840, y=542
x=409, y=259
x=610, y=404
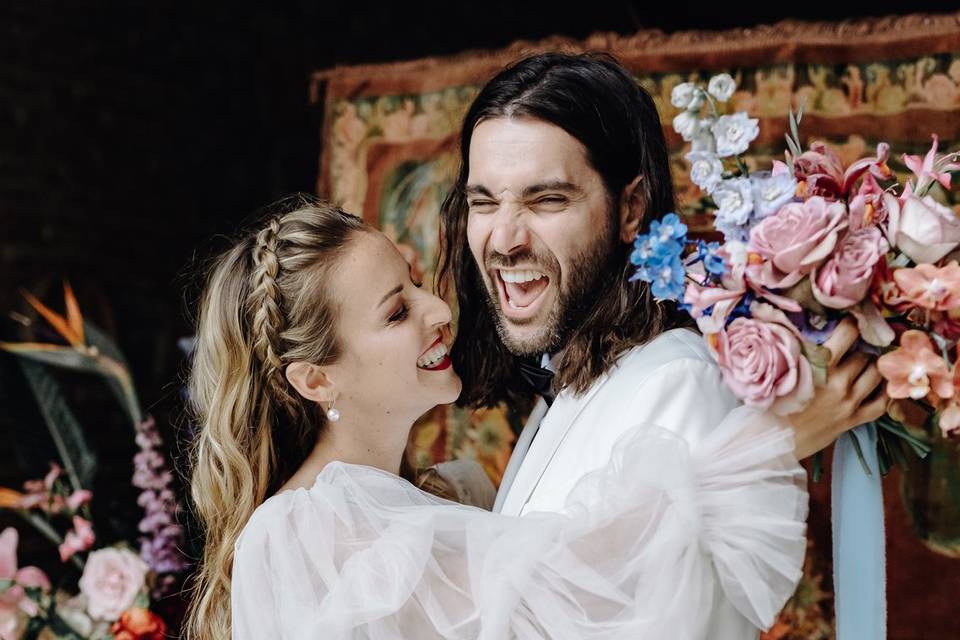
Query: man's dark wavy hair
x=594, y=99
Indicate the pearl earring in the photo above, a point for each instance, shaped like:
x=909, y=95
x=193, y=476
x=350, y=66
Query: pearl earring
x=332, y=414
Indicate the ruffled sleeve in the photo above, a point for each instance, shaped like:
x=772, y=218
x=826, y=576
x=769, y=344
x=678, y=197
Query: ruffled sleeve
x=636, y=554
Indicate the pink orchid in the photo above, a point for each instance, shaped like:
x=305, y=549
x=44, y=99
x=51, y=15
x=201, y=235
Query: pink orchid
x=914, y=369
x=80, y=538
x=926, y=168
x=14, y=601
x=876, y=166
x=931, y=287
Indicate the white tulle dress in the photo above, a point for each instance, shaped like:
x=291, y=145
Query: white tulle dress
x=364, y=554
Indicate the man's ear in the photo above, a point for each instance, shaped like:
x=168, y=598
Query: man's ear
x=311, y=382
x=633, y=204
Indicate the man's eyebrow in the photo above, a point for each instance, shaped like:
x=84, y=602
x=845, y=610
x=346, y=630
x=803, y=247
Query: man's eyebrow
x=478, y=190
x=553, y=185
x=397, y=289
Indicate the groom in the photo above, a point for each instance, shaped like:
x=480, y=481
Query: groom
x=563, y=161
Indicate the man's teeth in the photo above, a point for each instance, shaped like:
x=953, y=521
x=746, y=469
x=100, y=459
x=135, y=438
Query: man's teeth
x=433, y=357
x=519, y=277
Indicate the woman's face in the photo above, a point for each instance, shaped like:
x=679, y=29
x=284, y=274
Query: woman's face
x=393, y=333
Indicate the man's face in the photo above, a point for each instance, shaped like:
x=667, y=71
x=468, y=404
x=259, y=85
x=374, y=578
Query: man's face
x=539, y=229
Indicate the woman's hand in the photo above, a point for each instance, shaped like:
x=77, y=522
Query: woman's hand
x=852, y=395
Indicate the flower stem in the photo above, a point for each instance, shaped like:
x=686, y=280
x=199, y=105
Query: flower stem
x=47, y=531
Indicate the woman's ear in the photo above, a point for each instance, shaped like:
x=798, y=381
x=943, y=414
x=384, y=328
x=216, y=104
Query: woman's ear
x=633, y=204
x=311, y=382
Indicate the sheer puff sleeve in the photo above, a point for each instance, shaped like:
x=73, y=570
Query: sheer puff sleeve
x=363, y=554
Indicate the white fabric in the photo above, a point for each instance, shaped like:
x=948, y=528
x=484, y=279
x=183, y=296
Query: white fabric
x=640, y=550
x=673, y=382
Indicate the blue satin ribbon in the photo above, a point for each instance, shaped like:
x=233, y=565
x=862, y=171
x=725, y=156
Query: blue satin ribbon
x=859, y=556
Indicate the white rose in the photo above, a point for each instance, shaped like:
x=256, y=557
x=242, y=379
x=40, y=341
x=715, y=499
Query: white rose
x=705, y=169
x=734, y=198
x=703, y=138
x=686, y=125
x=771, y=191
x=111, y=579
x=924, y=229
x=722, y=86
x=735, y=133
x=682, y=95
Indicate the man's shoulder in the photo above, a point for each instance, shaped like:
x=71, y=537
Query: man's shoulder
x=670, y=346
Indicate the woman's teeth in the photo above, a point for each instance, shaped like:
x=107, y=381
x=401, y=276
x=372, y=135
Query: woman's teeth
x=433, y=357
x=520, y=277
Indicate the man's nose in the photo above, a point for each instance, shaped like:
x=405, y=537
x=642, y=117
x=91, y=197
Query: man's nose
x=510, y=232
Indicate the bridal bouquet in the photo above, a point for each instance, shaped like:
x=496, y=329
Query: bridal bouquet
x=806, y=243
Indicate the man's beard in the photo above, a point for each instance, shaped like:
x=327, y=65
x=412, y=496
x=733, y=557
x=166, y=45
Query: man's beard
x=577, y=295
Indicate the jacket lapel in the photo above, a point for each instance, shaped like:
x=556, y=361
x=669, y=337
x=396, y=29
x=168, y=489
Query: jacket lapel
x=520, y=452
x=552, y=429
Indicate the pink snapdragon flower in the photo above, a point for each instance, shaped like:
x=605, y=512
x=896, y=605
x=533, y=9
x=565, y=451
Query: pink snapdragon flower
x=14, y=602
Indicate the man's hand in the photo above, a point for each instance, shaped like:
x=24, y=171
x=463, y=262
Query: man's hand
x=852, y=396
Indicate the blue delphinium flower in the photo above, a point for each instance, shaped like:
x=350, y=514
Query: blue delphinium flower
x=712, y=261
x=668, y=228
x=668, y=279
x=658, y=257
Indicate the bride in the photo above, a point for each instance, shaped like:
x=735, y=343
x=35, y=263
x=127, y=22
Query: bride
x=316, y=353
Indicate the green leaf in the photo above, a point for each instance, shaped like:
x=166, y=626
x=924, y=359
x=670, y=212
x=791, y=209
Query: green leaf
x=142, y=600
x=818, y=466
x=800, y=115
x=793, y=126
x=79, y=460
x=859, y=451
x=6, y=583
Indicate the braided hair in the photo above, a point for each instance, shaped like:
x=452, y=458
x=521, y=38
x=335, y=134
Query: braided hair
x=264, y=305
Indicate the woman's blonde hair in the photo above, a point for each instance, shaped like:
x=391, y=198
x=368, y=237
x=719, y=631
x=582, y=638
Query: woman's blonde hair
x=265, y=304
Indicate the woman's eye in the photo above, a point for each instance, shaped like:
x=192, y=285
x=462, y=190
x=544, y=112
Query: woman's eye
x=400, y=314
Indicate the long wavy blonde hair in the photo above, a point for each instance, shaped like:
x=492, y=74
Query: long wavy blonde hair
x=264, y=305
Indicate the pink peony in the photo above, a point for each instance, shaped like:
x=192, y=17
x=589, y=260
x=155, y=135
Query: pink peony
x=930, y=287
x=914, y=369
x=111, y=580
x=762, y=361
x=924, y=229
x=844, y=279
x=795, y=240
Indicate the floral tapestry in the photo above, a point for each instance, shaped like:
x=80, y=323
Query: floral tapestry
x=389, y=145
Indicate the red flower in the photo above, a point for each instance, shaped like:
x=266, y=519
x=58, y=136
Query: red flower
x=139, y=624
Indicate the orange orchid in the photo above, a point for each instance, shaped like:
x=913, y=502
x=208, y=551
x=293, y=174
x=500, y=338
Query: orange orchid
x=931, y=287
x=79, y=354
x=914, y=369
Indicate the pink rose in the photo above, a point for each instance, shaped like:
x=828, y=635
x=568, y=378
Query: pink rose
x=795, y=240
x=762, y=361
x=924, y=230
x=111, y=580
x=844, y=279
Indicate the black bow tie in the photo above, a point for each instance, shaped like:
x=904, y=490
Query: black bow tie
x=539, y=379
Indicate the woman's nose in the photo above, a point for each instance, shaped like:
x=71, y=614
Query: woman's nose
x=437, y=313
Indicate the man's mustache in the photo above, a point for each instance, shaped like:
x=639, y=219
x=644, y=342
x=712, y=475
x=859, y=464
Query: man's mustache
x=528, y=259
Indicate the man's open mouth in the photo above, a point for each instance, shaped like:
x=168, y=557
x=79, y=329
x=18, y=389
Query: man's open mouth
x=521, y=291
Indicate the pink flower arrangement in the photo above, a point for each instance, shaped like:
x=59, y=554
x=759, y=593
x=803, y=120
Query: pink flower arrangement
x=846, y=241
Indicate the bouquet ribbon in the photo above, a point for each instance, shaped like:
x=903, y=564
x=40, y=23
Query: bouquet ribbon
x=859, y=557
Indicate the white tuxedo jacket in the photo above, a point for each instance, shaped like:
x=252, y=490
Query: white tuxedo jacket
x=673, y=382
